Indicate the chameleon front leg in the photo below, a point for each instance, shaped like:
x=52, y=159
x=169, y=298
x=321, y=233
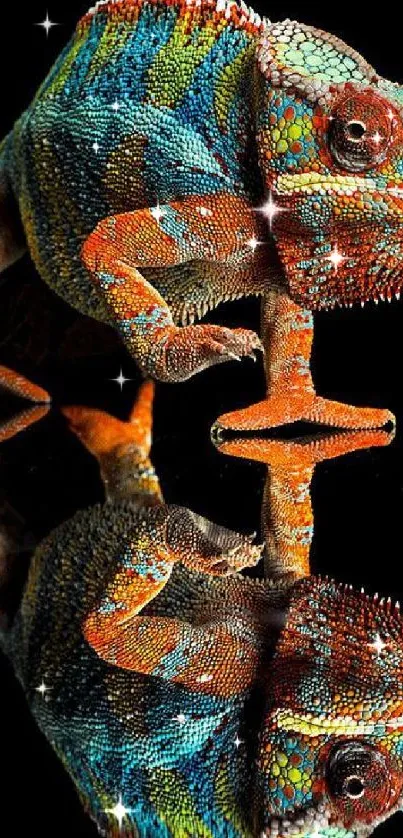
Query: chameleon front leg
x=214, y=228
x=183, y=650
x=287, y=514
x=287, y=335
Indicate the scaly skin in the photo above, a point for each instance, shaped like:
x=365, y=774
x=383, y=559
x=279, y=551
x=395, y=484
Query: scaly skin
x=206, y=703
x=287, y=515
x=140, y=169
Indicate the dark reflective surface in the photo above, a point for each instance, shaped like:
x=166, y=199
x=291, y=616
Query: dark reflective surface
x=47, y=474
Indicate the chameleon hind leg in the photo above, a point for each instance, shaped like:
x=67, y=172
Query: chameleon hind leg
x=213, y=228
x=121, y=448
x=287, y=334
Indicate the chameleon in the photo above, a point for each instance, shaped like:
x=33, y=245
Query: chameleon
x=185, y=698
x=181, y=153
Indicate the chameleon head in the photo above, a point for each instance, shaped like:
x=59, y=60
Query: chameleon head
x=330, y=757
x=330, y=139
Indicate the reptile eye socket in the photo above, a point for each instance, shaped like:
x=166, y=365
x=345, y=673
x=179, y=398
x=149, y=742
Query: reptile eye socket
x=359, y=780
x=360, y=131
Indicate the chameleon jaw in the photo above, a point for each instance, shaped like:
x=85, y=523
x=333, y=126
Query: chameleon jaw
x=342, y=266
x=314, y=823
x=307, y=183
x=339, y=238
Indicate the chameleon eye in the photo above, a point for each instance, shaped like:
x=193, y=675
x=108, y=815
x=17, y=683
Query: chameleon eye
x=355, y=130
x=361, y=129
x=360, y=781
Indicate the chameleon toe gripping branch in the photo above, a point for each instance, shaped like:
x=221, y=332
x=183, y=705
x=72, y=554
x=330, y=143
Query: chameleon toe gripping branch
x=200, y=154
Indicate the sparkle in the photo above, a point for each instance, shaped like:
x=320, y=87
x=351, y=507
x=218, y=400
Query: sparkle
x=253, y=243
x=205, y=211
x=336, y=258
x=157, y=212
x=181, y=718
x=119, y=811
x=203, y=679
x=377, y=137
x=42, y=689
x=96, y=147
x=390, y=114
x=237, y=741
x=47, y=24
x=270, y=209
x=378, y=645
x=121, y=380
x=116, y=106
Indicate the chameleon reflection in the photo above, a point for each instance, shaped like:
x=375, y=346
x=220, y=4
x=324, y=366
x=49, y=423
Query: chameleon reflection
x=185, y=699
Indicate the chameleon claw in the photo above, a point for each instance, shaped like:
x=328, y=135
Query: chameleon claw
x=217, y=433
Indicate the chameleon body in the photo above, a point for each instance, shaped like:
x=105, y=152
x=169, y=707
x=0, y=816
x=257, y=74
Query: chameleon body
x=187, y=700
x=180, y=154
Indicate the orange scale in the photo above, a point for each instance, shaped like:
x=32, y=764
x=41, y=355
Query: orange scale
x=288, y=792
x=296, y=147
x=289, y=114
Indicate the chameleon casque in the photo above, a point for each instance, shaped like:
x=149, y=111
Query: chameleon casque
x=180, y=154
x=186, y=699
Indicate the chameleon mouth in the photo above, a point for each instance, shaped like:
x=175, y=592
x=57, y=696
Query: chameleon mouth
x=308, y=183
x=314, y=823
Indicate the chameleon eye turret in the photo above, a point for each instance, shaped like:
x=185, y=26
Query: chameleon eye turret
x=362, y=129
x=362, y=781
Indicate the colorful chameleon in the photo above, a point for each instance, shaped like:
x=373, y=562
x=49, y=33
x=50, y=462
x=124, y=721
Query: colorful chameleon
x=187, y=700
x=185, y=152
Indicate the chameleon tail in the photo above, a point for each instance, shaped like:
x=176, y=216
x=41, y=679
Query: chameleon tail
x=121, y=448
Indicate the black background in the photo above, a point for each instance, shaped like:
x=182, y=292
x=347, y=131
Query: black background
x=358, y=357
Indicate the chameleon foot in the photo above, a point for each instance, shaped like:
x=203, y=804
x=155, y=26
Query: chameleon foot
x=305, y=407
x=185, y=351
x=15, y=383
